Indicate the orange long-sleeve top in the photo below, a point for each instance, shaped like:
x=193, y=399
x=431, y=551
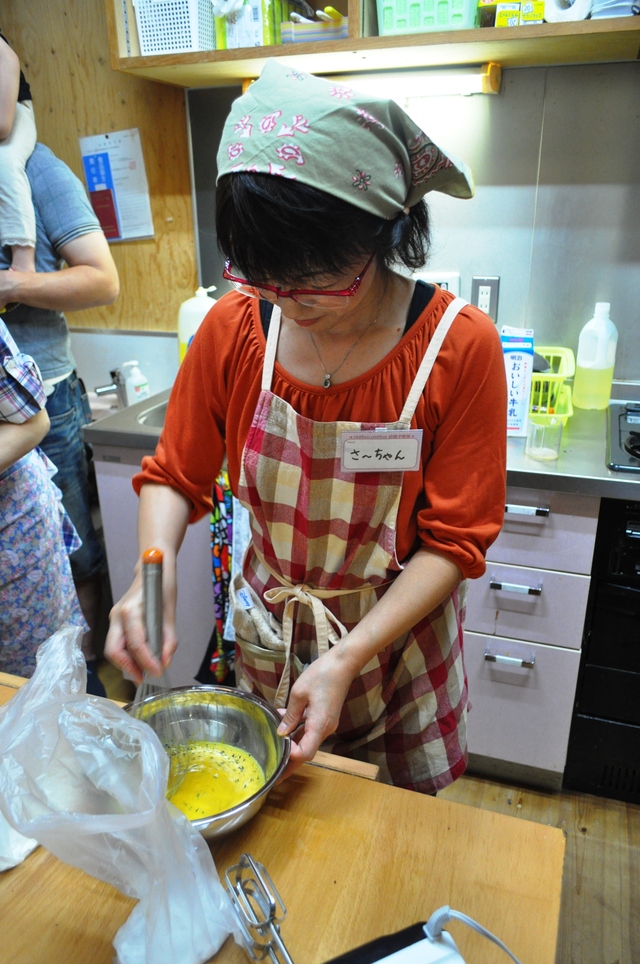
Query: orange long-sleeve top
x=454, y=506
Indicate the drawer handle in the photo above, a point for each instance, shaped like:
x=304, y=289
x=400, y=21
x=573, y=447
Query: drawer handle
x=540, y=510
x=509, y=660
x=514, y=587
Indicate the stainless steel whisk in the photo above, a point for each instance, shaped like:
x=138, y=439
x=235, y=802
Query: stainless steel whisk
x=167, y=724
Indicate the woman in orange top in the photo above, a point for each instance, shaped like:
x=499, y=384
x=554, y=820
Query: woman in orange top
x=363, y=419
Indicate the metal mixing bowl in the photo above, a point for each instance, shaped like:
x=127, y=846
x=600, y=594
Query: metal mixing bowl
x=219, y=714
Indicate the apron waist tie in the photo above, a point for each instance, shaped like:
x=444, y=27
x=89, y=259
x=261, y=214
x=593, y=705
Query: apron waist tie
x=326, y=622
x=322, y=616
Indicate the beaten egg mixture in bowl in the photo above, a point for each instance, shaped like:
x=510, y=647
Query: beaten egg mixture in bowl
x=230, y=753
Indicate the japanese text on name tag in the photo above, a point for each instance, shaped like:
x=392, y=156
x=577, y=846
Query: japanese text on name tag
x=381, y=451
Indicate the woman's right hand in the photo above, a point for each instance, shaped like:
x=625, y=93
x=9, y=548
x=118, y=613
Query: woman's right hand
x=162, y=521
x=126, y=644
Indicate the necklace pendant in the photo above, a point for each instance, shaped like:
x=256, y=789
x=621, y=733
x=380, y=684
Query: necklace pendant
x=327, y=380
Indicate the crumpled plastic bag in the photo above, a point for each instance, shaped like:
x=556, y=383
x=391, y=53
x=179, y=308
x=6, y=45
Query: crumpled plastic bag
x=88, y=782
x=13, y=846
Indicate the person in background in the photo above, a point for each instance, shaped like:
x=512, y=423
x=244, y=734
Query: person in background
x=37, y=595
x=363, y=416
x=17, y=141
x=74, y=270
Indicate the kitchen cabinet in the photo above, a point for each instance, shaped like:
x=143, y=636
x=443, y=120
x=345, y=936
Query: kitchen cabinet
x=589, y=41
x=521, y=714
x=523, y=634
x=538, y=605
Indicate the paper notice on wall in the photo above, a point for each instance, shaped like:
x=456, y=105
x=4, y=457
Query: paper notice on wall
x=117, y=183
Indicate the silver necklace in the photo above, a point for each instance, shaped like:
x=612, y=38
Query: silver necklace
x=329, y=375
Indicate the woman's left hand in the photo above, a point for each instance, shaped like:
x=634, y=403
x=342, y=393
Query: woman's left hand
x=317, y=697
x=315, y=703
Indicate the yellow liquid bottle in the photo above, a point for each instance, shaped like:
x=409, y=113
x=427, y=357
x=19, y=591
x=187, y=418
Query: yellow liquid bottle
x=592, y=387
x=595, y=360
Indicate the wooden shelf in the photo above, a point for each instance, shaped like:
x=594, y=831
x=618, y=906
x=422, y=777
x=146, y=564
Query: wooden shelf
x=587, y=41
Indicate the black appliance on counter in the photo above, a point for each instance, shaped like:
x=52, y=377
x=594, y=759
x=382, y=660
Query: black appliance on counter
x=603, y=756
x=623, y=436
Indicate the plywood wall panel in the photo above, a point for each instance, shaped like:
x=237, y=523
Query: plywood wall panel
x=63, y=46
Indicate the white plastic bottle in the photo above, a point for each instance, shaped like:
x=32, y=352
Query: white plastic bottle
x=191, y=315
x=595, y=361
x=135, y=383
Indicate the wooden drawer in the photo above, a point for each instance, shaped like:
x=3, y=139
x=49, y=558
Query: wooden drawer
x=553, y=612
x=518, y=714
x=560, y=536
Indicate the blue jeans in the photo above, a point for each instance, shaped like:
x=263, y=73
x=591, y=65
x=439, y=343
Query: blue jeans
x=68, y=411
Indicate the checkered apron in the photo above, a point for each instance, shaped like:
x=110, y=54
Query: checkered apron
x=322, y=554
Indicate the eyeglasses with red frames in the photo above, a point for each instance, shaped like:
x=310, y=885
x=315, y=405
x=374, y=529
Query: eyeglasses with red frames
x=311, y=297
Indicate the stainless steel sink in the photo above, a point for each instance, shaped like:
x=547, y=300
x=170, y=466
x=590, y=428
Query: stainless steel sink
x=153, y=417
x=138, y=426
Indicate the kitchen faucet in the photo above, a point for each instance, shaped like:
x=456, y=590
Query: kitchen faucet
x=117, y=387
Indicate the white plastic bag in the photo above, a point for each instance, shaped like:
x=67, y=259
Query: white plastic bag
x=13, y=846
x=88, y=782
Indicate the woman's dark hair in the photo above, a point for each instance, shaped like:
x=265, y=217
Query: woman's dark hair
x=277, y=230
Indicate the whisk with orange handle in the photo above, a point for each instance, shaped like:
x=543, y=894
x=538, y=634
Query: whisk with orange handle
x=168, y=724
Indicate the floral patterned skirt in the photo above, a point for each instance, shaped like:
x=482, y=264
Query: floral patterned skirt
x=37, y=595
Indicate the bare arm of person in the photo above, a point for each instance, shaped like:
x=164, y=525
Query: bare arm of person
x=318, y=694
x=90, y=280
x=163, y=516
x=9, y=86
x=16, y=439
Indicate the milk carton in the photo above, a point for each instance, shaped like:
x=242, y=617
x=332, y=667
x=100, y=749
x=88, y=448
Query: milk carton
x=517, y=347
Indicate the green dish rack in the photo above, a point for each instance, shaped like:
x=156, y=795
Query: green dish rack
x=550, y=396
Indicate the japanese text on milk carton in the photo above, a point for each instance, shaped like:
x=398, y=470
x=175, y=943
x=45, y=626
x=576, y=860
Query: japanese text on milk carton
x=517, y=348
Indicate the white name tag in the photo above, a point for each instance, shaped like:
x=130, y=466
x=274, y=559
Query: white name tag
x=380, y=450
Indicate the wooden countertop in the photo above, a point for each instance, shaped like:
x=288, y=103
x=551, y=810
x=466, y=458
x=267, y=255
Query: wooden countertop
x=353, y=859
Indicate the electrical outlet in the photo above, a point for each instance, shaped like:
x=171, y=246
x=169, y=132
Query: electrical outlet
x=448, y=280
x=484, y=294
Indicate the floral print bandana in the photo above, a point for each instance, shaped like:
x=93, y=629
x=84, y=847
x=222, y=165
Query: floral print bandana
x=352, y=145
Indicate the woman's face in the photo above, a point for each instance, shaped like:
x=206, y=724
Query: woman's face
x=340, y=311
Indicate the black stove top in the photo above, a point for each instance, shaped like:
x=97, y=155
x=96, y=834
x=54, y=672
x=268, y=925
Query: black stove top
x=623, y=437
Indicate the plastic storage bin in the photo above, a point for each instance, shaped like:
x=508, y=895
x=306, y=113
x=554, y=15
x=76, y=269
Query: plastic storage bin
x=550, y=397
x=423, y=16
x=174, y=26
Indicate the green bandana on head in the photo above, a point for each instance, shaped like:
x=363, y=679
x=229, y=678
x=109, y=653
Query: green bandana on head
x=354, y=146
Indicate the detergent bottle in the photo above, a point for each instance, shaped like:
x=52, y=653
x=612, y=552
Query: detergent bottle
x=595, y=360
x=136, y=385
x=191, y=315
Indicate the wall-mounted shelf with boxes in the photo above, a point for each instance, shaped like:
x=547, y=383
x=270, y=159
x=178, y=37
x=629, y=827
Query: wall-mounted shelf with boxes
x=588, y=41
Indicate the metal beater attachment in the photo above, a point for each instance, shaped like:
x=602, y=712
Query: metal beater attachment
x=259, y=910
